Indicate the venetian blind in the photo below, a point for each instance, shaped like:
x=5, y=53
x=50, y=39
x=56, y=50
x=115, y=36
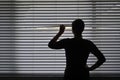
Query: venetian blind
x=26, y=27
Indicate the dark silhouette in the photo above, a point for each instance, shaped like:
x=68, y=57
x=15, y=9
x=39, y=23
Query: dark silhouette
x=77, y=51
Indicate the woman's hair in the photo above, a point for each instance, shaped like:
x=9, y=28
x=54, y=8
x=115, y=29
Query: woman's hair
x=78, y=26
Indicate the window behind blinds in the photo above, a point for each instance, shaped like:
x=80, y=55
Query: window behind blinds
x=26, y=27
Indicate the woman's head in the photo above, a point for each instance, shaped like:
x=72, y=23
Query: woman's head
x=78, y=26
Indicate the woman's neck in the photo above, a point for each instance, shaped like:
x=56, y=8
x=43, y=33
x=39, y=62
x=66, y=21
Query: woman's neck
x=77, y=36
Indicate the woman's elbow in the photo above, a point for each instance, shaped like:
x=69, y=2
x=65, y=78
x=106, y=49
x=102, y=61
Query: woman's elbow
x=51, y=46
x=103, y=60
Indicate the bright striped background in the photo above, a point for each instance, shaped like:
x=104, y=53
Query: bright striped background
x=26, y=27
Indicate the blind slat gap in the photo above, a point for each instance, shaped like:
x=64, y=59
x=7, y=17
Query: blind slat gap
x=26, y=26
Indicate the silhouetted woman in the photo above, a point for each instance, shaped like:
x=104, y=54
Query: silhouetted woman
x=77, y=51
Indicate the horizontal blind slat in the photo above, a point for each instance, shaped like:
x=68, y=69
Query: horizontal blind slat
x=26, y=27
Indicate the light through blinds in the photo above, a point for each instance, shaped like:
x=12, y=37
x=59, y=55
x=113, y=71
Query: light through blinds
x=26, y=27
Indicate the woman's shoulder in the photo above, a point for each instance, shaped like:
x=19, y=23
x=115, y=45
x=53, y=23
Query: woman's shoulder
x=88, y=41
x=66, y=39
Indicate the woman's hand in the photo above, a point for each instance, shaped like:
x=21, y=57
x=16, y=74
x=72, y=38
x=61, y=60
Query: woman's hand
x=62, y=29
x=55, y=38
